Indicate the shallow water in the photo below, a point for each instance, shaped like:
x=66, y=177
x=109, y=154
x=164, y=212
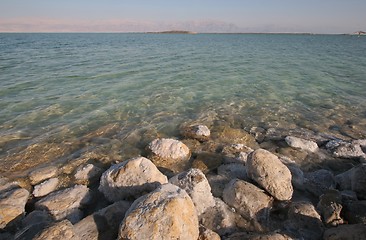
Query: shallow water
x=63, y=94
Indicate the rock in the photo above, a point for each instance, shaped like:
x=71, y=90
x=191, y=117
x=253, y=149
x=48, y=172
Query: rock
x=302, y=144
x=343, y=180
x=104, y=223
x=258, y=236
x=223, y=219
x=42, y=174
x=233, y=170
x=342, y=149
x=358, y=181
x=228, y=135
x=207, y=162
x=12, y=205
x=195, y=183
x=65, y=203
x=207, y=234
x=217, y=183
x=33, y=223
x=36, y=216
x=131, y=178
x=346, y=232
x=155, y=216
x=330, y=207
x=258, y=133
x=270, y=173
x=348, y=195
x=304, y=221
x=87, y=173
x=355, y=211
x=199, y=132
x=45, y=187
x=248, y=200
x=169, y=153
x=63, y=230
x=236, y=153
x=318, y=182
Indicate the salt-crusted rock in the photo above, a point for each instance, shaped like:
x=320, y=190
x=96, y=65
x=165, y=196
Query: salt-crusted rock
x=233, y=170
x=304, y=221
x=248, y=200
x=355, y=211
x=330, y=207
x=131, y=178
x=318, y=182
x=270, y=173
x=345, y=149
x=87, y=173
x=104, y=223
x=358, y=181
x=65, y=203
x=303, y=144
x=12, y=205
x=199, y=132
x=155, y=216
x=195, y=183
x=41, y=174
x=45, y=187
x=346, y=232
x=223, y=219
x=63, y=230
x=207, y=234
x=169, y=153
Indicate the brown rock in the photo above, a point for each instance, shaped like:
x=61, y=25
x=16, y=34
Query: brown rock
x=12, y=205
x=63, y=230
x=346, y=232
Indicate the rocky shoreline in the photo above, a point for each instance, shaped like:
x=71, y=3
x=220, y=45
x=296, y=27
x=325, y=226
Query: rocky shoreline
x=230, y=184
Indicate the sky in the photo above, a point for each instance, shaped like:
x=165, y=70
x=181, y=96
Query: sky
x=309, y=16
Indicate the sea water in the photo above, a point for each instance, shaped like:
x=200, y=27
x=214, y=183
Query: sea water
x=58, y=92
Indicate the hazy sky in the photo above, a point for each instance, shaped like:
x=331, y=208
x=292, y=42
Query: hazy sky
x=317, y=16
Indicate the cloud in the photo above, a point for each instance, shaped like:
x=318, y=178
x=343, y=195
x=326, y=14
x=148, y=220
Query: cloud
x=111, y=25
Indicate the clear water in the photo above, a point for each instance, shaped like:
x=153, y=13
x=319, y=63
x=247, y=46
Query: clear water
x=60, y=90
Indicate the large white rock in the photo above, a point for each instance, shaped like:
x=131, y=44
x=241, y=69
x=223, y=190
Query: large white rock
x=45, y=187
x=302, y=144
x=195, y=183
x=166, y=213
x=248, y=200
x=131, y=178
x=270, y=173
x=40, y=174
x=66, y=203
x=12, y=205
x=169, y=153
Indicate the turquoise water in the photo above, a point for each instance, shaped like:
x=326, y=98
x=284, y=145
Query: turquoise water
x=61, y=90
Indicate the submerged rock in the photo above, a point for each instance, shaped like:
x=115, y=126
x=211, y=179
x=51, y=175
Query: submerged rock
x=270, y=173
x=12, y=205
x=194, y=182
x=131, y=178
x=155, y=216
x=169, y=153
x=45, y=187
x=207, y=162
x=199, y=132
x=236, y=153
x=248, y=200
x=302, y=144
x=66, y=203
